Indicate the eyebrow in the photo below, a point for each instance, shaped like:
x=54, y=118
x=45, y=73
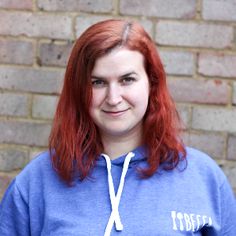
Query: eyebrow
x=122, y=76
x=128, y=74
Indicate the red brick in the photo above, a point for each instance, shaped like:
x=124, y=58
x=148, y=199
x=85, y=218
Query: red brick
x=219, y=10
x=217, y=65
x=211, y=143
x=199, y=91
x=234, y=93
x=98, y=6
x=36, y=25
x=17, y=4
x=25, y=133
x=147, y=25
x=12, y=158
x=159, y=8
x=184, y=113
x=16, y=52
x=52, y=54
x=14, y=104
x=44, y=106
x=214, y=118
x=4, y=182
x=83, y=22
x=31, y=80
x=194, y=34
x=232, y=148
x=177, y=62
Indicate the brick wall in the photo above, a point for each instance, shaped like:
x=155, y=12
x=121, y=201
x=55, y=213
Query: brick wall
x=196, y=40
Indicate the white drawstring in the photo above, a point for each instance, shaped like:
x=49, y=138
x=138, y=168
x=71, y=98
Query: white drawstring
x=115, y=199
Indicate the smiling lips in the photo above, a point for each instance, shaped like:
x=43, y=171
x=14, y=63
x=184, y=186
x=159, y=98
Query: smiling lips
x=115, y=113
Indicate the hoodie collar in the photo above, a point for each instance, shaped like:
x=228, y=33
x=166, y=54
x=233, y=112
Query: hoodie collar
x=140, y=154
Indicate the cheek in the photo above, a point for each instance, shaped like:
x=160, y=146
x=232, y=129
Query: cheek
x=140, y=101
x=97, y=98
x=144, y=101
x=143, y=95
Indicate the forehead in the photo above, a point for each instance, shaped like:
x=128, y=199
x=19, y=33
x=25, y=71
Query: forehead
x=117, y=62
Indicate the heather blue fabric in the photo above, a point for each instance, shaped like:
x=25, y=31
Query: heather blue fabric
x=196, y=200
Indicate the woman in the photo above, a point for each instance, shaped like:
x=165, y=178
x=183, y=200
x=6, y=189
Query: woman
x=116, y=164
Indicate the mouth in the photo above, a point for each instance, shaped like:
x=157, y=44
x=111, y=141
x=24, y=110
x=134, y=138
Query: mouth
x=115, y=113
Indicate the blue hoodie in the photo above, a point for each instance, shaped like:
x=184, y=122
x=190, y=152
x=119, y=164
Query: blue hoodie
x=114, y=200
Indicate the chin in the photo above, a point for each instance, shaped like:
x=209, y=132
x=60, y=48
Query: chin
x=119, y=132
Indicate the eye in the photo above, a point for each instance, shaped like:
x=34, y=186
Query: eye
x=128, y=80
x=98, y=83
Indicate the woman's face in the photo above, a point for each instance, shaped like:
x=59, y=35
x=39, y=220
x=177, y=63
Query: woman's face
x=120, y=89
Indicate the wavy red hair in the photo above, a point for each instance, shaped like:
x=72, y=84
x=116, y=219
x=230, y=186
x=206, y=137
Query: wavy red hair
x=74, y=138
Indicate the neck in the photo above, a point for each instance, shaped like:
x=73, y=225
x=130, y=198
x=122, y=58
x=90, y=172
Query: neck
x=117, y=146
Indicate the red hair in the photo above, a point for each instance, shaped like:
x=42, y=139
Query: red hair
x=74, y=138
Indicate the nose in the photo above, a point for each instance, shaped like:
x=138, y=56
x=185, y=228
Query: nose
x=114, y=95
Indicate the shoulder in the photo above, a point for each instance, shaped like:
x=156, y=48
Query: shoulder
x=195, y=155
x=199, y=158
x=201, y=164
x=24, y=196
x=36, y=173
x=41, y=163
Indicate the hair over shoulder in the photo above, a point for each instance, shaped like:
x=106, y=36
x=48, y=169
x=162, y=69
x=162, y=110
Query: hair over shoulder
x=74, y=141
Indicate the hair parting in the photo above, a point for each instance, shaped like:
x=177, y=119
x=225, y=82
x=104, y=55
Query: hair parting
x=125, y=33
